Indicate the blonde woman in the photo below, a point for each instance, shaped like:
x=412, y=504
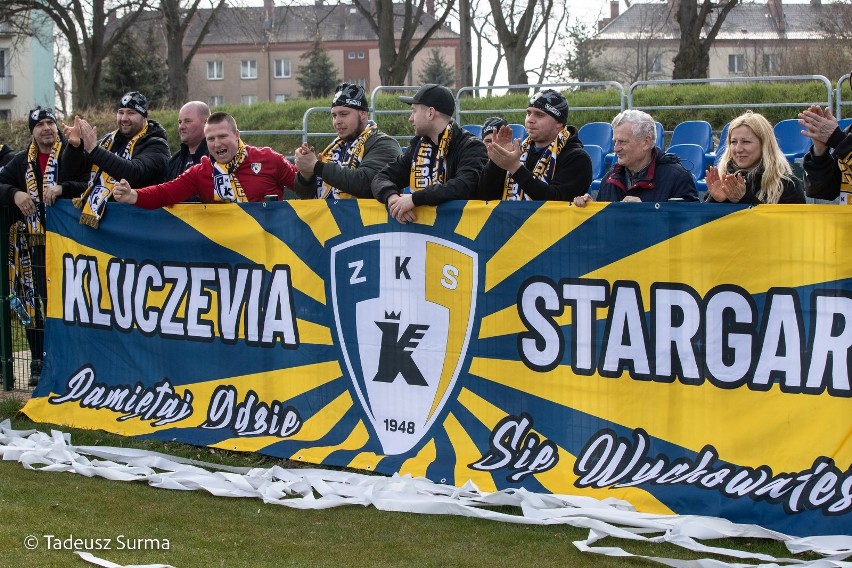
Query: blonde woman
x=753, y=169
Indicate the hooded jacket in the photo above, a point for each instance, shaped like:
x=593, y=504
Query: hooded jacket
x=663, y=179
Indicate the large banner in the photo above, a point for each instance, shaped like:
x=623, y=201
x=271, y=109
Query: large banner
x=687, y=358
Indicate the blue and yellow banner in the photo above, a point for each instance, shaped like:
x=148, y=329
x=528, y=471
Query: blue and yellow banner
x=687, y=358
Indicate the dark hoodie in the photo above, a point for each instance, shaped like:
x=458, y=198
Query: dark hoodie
x=147, y=165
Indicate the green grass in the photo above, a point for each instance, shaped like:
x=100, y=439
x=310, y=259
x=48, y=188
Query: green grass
x=204, y=530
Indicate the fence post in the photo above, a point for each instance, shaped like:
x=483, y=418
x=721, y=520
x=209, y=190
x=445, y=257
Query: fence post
x=6, y=355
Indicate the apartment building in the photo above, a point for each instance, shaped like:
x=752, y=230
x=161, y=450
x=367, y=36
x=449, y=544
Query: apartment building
x=26, y=68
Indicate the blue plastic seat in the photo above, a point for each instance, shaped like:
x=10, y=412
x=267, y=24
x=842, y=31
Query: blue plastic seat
x=793, y=143
x=518, y=131
x=712, y=158
x=661, y=135
x=844, y=123
x=691, y=157
x=597, y=133
x=596, y=153
x=474, y=129
x=693, y=132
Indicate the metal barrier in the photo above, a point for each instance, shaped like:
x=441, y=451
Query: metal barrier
x=490, y=112
x=838, y=97
x=775, y=79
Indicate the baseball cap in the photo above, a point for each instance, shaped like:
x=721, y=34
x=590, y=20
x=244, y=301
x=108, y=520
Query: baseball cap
x=135, y=100
x=38, y=114
x=350, y=95
x=552, y=103
x=438, y=97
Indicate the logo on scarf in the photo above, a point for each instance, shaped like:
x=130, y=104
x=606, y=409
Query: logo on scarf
x=403, y=314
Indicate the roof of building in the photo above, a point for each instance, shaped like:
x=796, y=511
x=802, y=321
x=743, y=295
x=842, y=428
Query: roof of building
x=297, y=24
x=746, y=21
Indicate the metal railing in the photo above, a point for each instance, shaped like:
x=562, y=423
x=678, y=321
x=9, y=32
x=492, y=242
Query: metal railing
x=530, y=87
x=773, y=79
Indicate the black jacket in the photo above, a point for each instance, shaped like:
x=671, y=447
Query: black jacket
x=178, y=162
x=572, y=175
x=13, y=178
x=146, y=167
x=791, y=191
x=6, y=154
x=466, y=157
x=823, y=179
x=379, y=151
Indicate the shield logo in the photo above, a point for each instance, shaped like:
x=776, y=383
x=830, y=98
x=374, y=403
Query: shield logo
x=403, y=307
x=255, y=167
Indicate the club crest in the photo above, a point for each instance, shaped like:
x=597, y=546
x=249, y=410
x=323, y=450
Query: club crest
x=403, y=314
x=255, y=167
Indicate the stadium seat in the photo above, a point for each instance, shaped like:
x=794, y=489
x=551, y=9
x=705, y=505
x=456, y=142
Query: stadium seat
x=597, y=133
x=691, y=157
x=474, y=129
x=518, y=131
x=793, y=143
x=661, y=135
x=596, y=153
x=712, y=158
x=693, y=132
x=844, y=123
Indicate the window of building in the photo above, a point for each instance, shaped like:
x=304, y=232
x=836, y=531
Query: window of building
x=360, y=55
x=282, y=69
x=655, y=65
x=736, y=63
x=280, y=98
x=248, y=69
x=216, y=100
x=770, y=63
x=248, y=99
x=215, y=70
x=350, y=55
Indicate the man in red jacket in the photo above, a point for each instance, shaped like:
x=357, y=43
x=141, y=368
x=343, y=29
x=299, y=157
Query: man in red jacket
x=234, y=172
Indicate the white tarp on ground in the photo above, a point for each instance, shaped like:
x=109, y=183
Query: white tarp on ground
x=321, y=489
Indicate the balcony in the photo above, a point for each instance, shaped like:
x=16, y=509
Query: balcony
x=5, y=29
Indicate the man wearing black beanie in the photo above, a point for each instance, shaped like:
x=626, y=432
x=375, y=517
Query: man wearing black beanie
x=33, y=178
x=136, y=151
x=550, y=164
x=347, y=166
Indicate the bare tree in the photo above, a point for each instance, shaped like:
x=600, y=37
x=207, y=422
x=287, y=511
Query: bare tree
x=177, y=16
x=385, y=18
x=693, y=58
x=518, y=25
x=483, y=29
x=638, y=59
x=60, y=81
x=553, y=34
x=84, y=24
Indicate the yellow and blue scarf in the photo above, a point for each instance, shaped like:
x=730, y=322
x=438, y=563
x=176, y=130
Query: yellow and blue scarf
x=543, y=169
x=226, y=186
x=426, y=168
x=348, y=155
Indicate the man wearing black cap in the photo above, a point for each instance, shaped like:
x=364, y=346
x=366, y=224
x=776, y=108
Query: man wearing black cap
x=348, y=165
x=550, y=164
x=137, y=151
x=490, y=128
x=443, y=162
x=29, y=180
